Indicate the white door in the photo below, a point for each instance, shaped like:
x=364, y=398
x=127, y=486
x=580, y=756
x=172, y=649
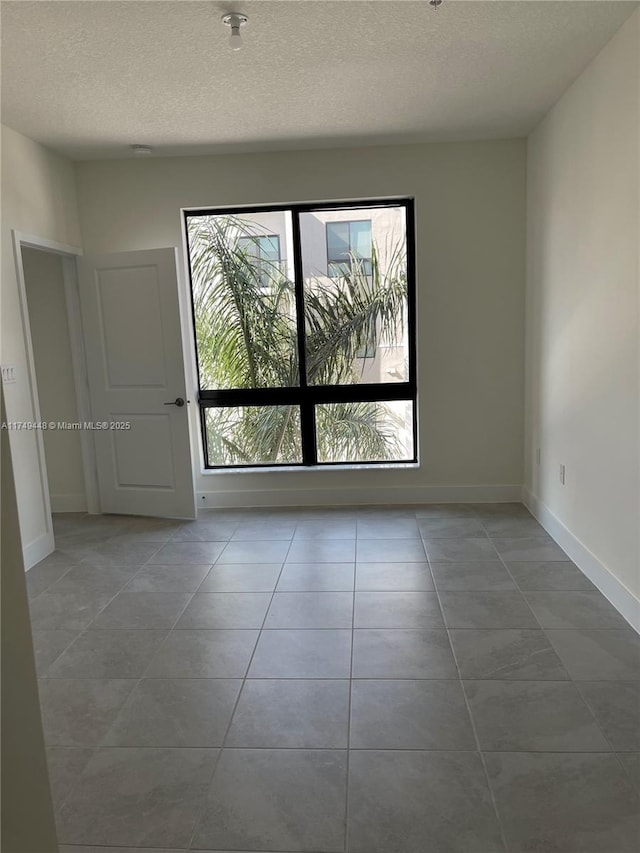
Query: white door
x=131, y=322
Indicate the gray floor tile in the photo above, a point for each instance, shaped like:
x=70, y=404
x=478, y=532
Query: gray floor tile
x=317, y=577
x=407, y=702
x=390, y=551
x=242, y=577
x=574, y=610
x=44, y=575
x=471, y=576
x=185, y=553
x=491, y=511
x=79, y=544
x=291, y=713
x=175, y=712
x=507, y=654
x=78, y=712
x=58, y=558
x=49, y=645
x=108, y=654
x=608, y=655
x=257, y=551
x=380, y=528
x=322, y=551
x=302, y=654
x=460, y=550
x=529, y=549
x=265, y=530
x=451, y=528
x=532, y=716
x=74, y=848
x=98, y=578
x=204, y=654
x=408, y=802
x=616, y=707
x=146, y=529
x=388, y=577
x=631, y=763
x=310, y=610
x=143, y=610
x=157, y=578
x=225, y=610
x=436, y=510
x=69, y=611
x=113, y=553
x=410, y=715
x=65, y=764
x=276, y=799
x=515, y=528
x=539, y=576
x=486, y=610
x=397, y=610
x=569, y=802
x=204, y=531
x=402, y=654
x=155, y=537
x=139, y=797
x=326, y=529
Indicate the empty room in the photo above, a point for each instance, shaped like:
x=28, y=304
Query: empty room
x=320, y=353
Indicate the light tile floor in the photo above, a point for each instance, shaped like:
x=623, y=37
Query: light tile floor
x=432, y=679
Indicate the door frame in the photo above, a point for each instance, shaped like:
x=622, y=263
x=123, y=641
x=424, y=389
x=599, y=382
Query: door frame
x=68, y=255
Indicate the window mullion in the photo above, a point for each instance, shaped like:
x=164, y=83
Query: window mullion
x=307, y=409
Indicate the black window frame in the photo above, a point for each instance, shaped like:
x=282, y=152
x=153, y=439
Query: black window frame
x=305, y=396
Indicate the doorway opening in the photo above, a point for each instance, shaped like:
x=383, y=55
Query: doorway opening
x=53, y=363
x=56, y=383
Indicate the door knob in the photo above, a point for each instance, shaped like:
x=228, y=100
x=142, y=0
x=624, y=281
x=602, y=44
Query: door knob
x=179, y=402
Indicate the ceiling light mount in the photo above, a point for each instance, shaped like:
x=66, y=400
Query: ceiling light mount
x=141, y=150
x=235, y=21
x=435, y=4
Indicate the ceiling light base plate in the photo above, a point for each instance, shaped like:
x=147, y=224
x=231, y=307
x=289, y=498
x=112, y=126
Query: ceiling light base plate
x=234, y=20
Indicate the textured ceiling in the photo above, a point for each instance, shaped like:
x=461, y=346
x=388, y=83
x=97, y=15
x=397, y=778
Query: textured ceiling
x=89, y=78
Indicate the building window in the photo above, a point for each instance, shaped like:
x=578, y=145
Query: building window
x=299, y=363
x=263, y=252
x=348, y=243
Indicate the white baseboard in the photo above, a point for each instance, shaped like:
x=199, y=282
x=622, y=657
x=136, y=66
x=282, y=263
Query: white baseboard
x=69, y=503
x=360, y=496
x=38, y=550
x=616, y=592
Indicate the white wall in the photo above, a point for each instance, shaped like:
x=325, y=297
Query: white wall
x=470, y=211
x=582, y=319
x=54, y=374
x=39, y=198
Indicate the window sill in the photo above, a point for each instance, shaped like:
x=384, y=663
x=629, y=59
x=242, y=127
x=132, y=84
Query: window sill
x=297, y=469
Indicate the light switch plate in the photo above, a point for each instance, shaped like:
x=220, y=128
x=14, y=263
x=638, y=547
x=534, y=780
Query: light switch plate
x=8, y=374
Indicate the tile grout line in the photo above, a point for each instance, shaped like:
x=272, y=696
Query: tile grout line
x=473, y=728
x=58, y=807
x=202, y=809
x=348, y=768
x=138, y=680
x=545, y=632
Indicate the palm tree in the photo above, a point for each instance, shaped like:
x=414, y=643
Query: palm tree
x=246, y=337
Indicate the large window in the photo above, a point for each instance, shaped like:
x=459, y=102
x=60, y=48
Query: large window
x=304, y=322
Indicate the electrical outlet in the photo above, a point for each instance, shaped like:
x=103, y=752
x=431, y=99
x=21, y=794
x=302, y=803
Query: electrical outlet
x=562, y=474
x=537, y=456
